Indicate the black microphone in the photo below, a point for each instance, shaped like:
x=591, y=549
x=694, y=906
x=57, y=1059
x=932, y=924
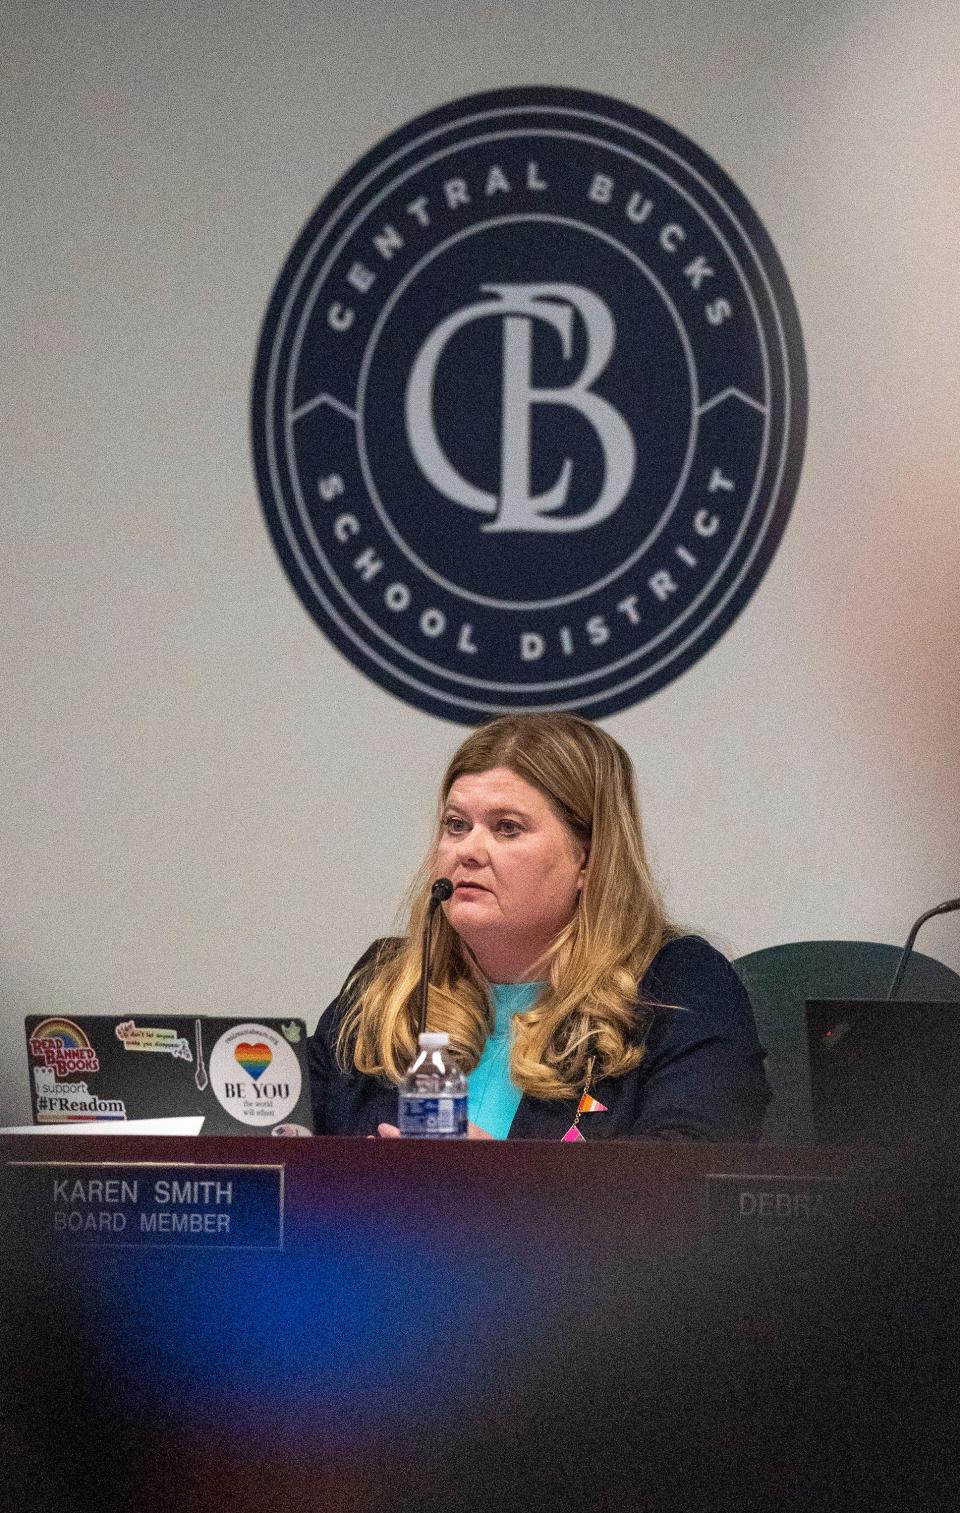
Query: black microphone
x=947, y=908
x=439, y=893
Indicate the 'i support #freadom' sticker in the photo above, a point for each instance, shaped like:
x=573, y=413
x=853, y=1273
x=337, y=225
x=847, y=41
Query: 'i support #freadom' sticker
x=529, y=406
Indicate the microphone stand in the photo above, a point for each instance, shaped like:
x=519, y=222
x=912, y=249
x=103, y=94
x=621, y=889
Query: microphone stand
x=439, y=893
x=947, y=908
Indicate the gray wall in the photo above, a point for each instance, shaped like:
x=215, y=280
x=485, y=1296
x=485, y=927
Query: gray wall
x=204, y=807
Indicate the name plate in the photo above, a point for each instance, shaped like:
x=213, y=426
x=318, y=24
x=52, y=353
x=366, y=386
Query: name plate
x=750, y=1202
x=139, y=1203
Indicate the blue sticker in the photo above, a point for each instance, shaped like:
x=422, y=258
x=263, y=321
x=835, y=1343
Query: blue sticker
x=529, y=407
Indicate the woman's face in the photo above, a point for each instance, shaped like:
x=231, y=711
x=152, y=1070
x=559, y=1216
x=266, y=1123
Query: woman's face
x=516, y=869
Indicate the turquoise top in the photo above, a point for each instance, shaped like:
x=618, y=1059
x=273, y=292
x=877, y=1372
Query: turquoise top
x=493, y=1099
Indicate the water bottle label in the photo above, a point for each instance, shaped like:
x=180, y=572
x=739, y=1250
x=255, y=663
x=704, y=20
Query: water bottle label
x=437, y=1117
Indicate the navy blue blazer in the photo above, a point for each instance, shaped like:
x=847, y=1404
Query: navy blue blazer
x=702, y=1077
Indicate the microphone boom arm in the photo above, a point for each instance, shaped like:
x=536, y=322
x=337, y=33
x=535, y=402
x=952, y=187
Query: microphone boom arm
x=945, y=908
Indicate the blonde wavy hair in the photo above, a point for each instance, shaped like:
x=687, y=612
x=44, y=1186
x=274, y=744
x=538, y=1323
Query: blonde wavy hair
x=588, y=1008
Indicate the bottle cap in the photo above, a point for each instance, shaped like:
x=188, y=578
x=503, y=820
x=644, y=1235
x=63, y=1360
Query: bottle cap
x=433, y=1040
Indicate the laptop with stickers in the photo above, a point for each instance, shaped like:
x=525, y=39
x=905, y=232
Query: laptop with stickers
x=244, y=1077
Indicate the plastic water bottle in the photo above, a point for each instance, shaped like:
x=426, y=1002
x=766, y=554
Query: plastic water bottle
x=433, y=1094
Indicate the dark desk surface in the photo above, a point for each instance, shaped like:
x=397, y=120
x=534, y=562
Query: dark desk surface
x=475, y=1325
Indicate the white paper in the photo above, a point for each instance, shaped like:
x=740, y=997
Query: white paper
x=187, y=1124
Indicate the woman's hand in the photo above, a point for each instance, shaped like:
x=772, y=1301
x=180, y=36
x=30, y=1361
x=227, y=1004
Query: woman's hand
x=390, y=1132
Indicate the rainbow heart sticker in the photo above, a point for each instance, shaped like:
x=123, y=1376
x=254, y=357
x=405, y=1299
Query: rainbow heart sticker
x=254, y=1058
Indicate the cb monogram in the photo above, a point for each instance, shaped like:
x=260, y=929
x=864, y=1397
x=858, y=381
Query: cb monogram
x=515, y=508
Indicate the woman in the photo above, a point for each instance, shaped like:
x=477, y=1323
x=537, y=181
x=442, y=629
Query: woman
x=576, y=1009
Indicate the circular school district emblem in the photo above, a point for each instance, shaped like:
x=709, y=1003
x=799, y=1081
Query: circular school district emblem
x=529, y=407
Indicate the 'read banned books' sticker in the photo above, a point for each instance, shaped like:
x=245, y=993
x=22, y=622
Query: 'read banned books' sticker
x=63, y=1051
x=255, y=1074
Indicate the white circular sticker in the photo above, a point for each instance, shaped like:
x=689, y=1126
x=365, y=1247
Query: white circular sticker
x=255, y=1074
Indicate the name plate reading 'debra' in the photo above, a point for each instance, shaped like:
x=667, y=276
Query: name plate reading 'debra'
x=149, y=1203
x=753, y=1202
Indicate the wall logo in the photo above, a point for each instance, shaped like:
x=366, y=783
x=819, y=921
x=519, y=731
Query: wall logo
x=529, y=407
x=255, y=1074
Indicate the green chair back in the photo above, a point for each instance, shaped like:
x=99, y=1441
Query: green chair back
x=780, y=979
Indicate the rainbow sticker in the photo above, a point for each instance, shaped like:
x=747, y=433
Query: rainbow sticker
x=62, y=1047
x=255, y=1099
x=69, y=1034
x=253, y=1058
